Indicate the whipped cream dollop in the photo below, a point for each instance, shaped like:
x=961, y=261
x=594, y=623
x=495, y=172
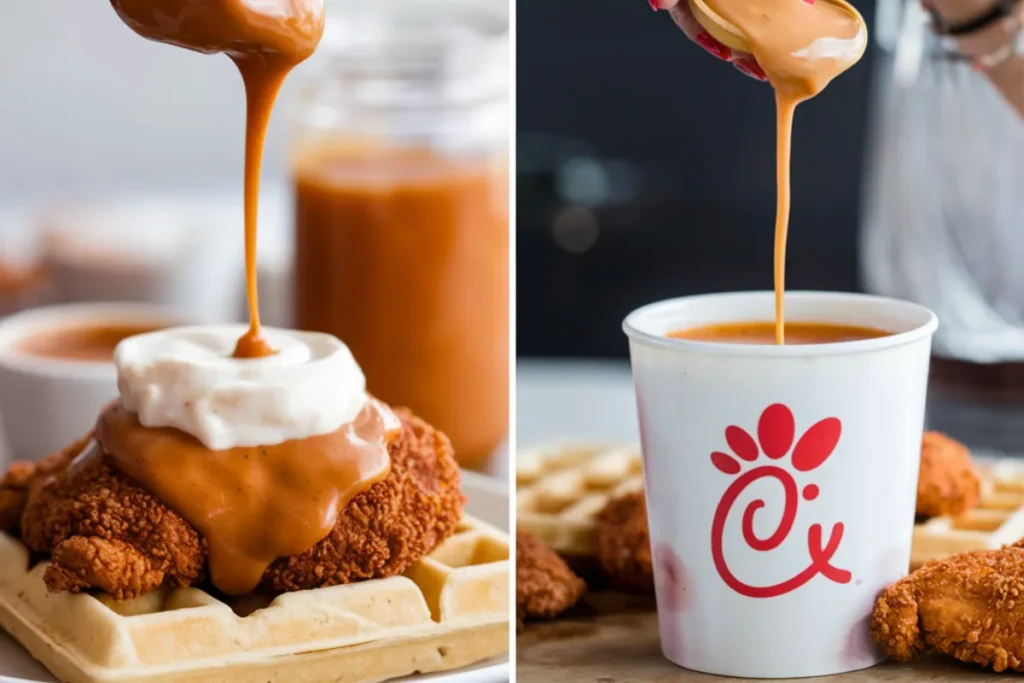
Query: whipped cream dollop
x=186, y=378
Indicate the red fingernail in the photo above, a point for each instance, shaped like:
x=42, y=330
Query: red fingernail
x=809, y=2
x=706, y=41
x=751, y=68
x=653, y=4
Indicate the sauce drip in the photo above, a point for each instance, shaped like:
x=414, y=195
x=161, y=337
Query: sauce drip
x=266, y=40
x=252, y=505
x=763, y=333
x=801, y=46
x=261, y=88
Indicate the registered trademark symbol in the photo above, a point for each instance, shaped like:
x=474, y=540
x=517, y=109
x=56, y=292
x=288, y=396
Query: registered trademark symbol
x=857, y=582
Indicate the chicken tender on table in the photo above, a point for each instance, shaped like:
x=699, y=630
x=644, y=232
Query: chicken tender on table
x=623, y=544
x=105, y=532
x=969, y=606
x=545, y=586
x=948, y=484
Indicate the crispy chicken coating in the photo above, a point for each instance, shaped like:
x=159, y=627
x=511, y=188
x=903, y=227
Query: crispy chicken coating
x=23, y=478
x=623, y=544
x=394, y=523
x=105, y=532
x=545, y=586
x=969, y=606
x=948, y=484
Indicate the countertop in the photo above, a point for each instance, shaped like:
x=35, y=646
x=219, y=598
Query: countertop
x=560, y=400
x=620, y=645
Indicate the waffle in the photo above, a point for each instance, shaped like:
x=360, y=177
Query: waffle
x=997, y=520
x=561, y=490
x=449, y=610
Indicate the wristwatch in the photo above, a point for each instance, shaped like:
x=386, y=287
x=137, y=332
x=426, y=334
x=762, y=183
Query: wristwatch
x=1001, y=10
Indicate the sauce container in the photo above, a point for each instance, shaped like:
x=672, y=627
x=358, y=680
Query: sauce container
x=400, y=171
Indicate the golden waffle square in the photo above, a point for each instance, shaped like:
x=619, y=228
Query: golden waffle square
x=997, y=520
x=447, y=611
x=561, y=489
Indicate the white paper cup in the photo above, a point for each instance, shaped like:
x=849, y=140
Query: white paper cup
x=47, y=403
x=826, y=438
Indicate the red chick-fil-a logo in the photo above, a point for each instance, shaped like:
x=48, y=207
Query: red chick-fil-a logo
x=775, y=432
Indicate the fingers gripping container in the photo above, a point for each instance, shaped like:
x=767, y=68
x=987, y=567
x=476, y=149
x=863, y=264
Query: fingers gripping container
x=449, y=610
x=780, y=480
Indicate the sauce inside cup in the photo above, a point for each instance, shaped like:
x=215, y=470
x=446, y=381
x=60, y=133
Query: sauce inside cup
x=93, y=342
x=764, y=333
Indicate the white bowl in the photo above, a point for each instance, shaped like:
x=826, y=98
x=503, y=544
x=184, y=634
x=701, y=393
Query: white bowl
x=47, y=403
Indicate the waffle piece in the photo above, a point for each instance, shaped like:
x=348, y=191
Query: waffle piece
x=449, y=610
x=561, y=490
x=997, y=520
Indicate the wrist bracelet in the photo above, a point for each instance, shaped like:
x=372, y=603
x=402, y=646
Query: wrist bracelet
x=1013, y=48
x=1001, y=10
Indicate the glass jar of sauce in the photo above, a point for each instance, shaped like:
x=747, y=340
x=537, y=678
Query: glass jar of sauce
x=400, y=168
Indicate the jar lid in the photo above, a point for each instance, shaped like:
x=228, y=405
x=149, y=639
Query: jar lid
x=459, y=45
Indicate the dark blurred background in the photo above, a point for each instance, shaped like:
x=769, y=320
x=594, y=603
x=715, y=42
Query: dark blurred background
x=647, y=170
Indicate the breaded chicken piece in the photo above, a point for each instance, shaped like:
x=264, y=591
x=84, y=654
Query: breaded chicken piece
x=970, y=606
x=13, y=494
x=106, y=532
x=545, y=586
x=623, y=544
x=393, y=524
x=24, y=477
x=948, y=484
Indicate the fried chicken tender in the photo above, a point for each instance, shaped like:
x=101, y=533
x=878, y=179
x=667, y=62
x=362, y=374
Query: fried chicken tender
x=24, y=477
x=545, y=586
x=969, y=606
x=948, y=484
x=105, y=532
x=13, y=494
x=623, y=544
x=390, y=526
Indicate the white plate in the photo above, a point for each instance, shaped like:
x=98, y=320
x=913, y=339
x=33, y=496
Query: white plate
x=487, y=499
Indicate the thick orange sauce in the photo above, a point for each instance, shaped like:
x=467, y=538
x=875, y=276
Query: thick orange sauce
x=262, y=84
x=266, y=41
x=85, y=343
x=252, y=505
x=764, y=333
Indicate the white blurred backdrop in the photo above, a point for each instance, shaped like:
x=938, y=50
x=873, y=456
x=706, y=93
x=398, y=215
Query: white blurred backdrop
x=89, y=107
x=86, y=106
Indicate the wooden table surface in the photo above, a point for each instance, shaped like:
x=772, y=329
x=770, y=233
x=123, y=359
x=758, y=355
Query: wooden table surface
x=614, y=639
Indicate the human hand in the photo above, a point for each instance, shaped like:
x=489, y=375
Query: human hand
x=681, y=14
